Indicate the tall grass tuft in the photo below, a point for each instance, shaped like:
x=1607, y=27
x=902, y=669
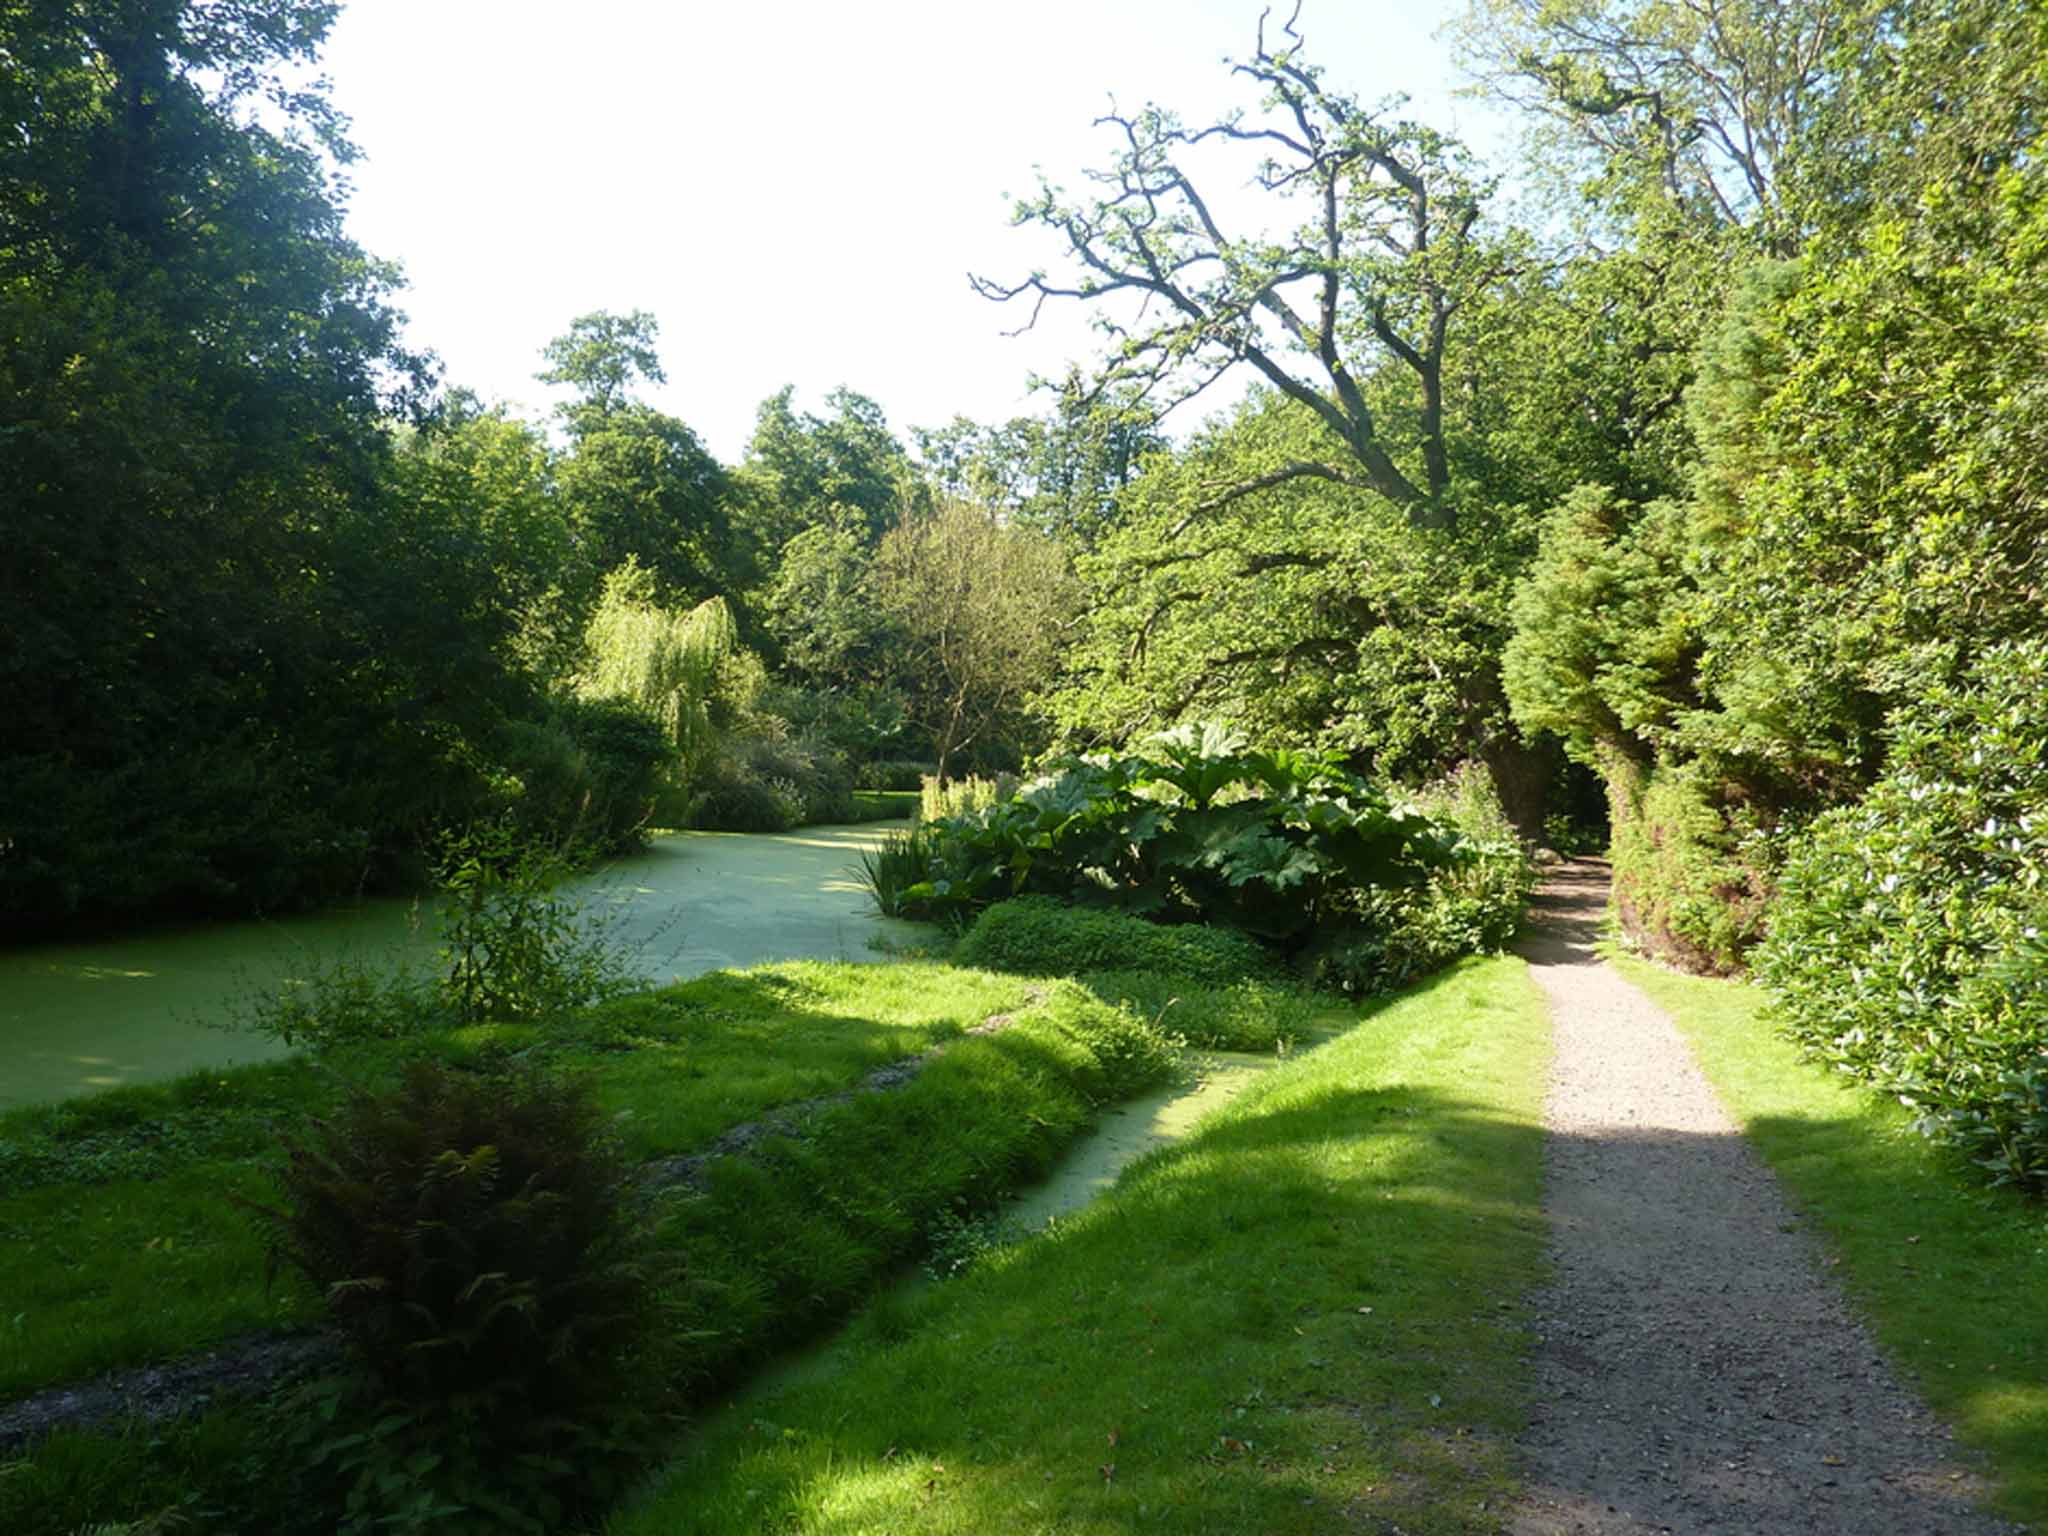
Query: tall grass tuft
x=940, y=798
x=901, y=870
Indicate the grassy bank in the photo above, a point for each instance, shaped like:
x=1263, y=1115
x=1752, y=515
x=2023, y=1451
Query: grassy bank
x=776, y=1240
x=119, y=1245
x=1951, y=1275
x=1304, y=1318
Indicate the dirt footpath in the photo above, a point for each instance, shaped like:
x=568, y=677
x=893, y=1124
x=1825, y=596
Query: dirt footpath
x=1697, y=1371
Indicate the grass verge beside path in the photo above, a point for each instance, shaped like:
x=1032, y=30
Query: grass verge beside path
x=1306, y=1317
x=1950, y=1274
x=118, y=1245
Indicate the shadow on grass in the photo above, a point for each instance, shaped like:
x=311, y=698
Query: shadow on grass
x=1289, y=1322
x=1951, y=1275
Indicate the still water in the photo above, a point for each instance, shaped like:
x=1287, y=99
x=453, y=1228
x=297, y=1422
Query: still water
x=79, y=1017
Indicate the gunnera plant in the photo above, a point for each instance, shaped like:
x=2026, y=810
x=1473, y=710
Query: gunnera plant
x=481, y=1241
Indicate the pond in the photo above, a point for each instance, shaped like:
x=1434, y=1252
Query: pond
x=80, y=1017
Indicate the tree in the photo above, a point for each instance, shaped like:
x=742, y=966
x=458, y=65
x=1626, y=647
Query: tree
x=845, y=471
x=193, y=379
x=822, y=611
x=980, y=605
x=600, y=357
x=1313, y=614
x=1702, y=104
x=637, y=483
x=1061, y=472
x=1391, y=252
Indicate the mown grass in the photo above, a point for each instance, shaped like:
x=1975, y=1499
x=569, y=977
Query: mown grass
x=119, y=1244
x=775, y=1242
x=1950, y=1274
x=1306, y=1317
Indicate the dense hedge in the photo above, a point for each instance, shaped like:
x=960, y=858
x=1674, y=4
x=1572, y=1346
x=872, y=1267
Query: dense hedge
x=1906, y=944
x=1037, y=936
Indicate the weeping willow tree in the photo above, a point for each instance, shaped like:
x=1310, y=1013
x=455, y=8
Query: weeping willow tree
x=664, y=660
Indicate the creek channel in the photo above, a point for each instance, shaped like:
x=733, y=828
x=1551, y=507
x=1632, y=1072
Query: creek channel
x=1088, y=1170
x=76, y=1018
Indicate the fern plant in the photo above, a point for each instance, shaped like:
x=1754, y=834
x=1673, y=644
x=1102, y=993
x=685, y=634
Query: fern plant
x=482, y=1243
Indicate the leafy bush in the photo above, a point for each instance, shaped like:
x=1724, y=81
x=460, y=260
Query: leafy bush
x=1691, y=875
x=733, y=801
x=939, y=799
x=1906, y=940
x=897, y=773
x=881, y=805
x=761, y=784
x=1197, y=826
x=480, y=1242
x=1473, y=906
x=514, y=945
x=1037, y=936
x=1238, y=1016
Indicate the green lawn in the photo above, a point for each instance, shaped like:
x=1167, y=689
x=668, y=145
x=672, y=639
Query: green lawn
x=1306, y=1317
x=119, y=1246
x=1952, y=1275
x=776, y=1242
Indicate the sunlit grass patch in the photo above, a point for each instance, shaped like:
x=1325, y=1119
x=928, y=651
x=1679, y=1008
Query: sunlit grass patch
x=118, y=1245
x=1303, y=1318
x=1951, y=1275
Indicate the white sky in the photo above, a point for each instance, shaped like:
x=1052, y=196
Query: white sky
x=795, y=188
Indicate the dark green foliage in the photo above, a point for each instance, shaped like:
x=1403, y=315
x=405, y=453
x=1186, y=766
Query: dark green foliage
x=590, y=772
x=761, y=784
x=264, y=637
x=1194, y=825
x=480, y=1240
x=1691, y=867
x=1472, y=906
x=895, y=773
x=1038, y=936
x=1905, y=945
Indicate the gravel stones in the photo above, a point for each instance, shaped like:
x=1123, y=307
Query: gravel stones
x=1696, y=1369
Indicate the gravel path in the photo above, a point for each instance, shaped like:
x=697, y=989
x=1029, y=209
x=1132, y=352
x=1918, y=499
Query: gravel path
x=1697, y=1370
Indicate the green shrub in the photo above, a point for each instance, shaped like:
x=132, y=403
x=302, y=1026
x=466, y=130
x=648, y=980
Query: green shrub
x=1906, y=940
x=587, y=773
x=1237, y=1016
x=759, y=784
x=1691, y=874
x=881, y=805
x=730, y=801
x=893, y=773
x=940, y=799
x=480, y=1242
x=1196, y=826
x=514, y=945
x=1037, y=936
x=1396, y=936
